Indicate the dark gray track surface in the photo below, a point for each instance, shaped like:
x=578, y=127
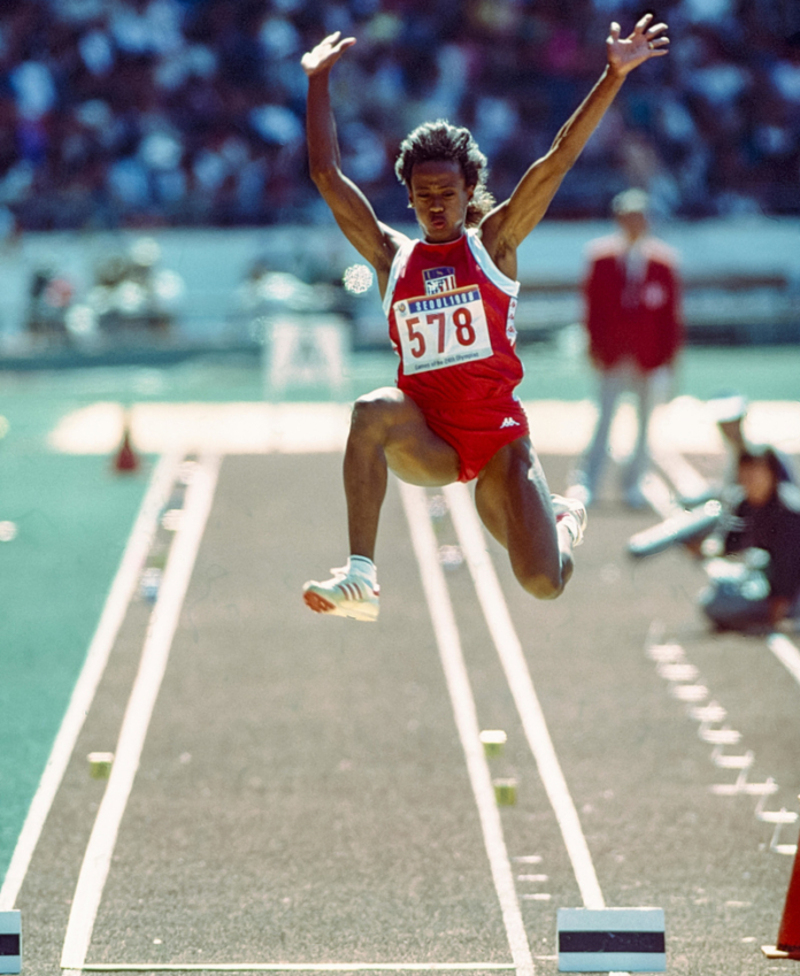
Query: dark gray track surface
x=303, y=795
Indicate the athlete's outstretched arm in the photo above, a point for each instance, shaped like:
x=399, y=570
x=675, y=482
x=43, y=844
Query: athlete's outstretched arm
x=511, y=222
x=353, y=212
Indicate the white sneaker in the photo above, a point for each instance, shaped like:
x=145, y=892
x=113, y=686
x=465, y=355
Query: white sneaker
x=346, y=594
x=572, y=512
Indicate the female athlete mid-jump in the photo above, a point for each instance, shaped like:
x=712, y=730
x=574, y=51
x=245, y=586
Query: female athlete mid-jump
x=450, y=300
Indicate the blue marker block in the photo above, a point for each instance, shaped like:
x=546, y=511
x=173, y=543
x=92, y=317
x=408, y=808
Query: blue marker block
x=611, y=940
x=10, y=942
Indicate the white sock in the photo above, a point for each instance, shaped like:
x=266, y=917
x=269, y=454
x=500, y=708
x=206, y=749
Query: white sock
x=363, y=567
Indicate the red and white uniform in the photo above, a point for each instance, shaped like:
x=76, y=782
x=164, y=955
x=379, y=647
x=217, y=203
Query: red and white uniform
x=633, y=303
x=451, y=321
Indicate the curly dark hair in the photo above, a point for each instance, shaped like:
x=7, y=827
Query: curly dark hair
x=441, y=140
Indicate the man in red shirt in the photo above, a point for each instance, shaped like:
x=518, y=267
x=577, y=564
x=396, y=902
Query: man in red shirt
x=634, y=319
x=450, y=299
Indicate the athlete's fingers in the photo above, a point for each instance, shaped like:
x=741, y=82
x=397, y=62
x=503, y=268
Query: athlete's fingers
x=326, y=52
x=614, y=31
x=640, y=26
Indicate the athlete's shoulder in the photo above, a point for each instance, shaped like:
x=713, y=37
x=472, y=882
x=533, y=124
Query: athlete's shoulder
x=394, y=238
x=403, y=247
x=473, y=241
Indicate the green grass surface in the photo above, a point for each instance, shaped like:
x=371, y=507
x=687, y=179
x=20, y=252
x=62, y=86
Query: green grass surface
x=72, y=518
x=560, y=371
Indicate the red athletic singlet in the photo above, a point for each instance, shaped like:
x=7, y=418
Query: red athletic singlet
x=451, y=321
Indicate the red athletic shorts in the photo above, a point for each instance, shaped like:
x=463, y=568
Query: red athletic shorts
x=477, y=429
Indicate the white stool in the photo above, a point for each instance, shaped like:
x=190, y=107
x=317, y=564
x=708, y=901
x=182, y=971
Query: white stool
x=302, y=351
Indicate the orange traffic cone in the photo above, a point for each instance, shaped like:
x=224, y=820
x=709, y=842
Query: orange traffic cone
x=788, y=946
x=126, y=459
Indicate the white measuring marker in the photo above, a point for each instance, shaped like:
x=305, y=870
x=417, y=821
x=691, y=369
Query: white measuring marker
x=10, y=942
x=611, y=940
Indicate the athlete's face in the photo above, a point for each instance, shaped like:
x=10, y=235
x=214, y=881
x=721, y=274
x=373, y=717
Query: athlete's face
x=440, y=197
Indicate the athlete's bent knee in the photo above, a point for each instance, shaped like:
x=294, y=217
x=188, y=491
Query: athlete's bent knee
x=546, y=583
x=373, y=412
x=542, y=586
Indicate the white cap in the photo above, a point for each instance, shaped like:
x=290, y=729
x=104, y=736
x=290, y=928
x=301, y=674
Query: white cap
x=630, y=201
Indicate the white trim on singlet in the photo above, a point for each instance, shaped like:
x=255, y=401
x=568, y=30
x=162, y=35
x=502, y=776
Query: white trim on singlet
x=487, y=265
x=478, y=251
x=399, y=262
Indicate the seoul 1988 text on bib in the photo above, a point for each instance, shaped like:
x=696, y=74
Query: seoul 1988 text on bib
x=442, y=330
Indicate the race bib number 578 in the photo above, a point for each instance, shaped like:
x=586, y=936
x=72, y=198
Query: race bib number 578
x=442, y=330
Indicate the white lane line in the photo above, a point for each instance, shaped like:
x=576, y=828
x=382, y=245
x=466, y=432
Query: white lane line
x=290, y=967
x=463, y=702
x=157, y=644
x=509, y=649
x=786, y=652
x=116, y=606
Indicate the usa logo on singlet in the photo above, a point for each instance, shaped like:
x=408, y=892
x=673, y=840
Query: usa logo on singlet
x=439, y=280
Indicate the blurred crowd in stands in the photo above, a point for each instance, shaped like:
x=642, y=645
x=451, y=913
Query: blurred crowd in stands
x=152, y=113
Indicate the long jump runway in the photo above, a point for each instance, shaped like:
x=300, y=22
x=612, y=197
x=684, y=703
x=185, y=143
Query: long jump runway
x=291, y=792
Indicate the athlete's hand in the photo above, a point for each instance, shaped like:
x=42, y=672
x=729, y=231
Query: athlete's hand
x=625, y=54
x=326, y=54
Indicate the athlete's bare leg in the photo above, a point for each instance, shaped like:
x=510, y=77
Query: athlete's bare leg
x=388, y=431
x=514, y=503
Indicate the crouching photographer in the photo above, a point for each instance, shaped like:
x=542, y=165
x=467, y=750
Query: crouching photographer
x=754, y=577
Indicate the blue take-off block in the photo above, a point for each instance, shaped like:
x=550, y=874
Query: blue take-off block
x=609, y=940
x=10, y=942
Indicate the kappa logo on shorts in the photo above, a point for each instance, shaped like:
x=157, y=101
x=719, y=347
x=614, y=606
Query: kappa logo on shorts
x=509, y=422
